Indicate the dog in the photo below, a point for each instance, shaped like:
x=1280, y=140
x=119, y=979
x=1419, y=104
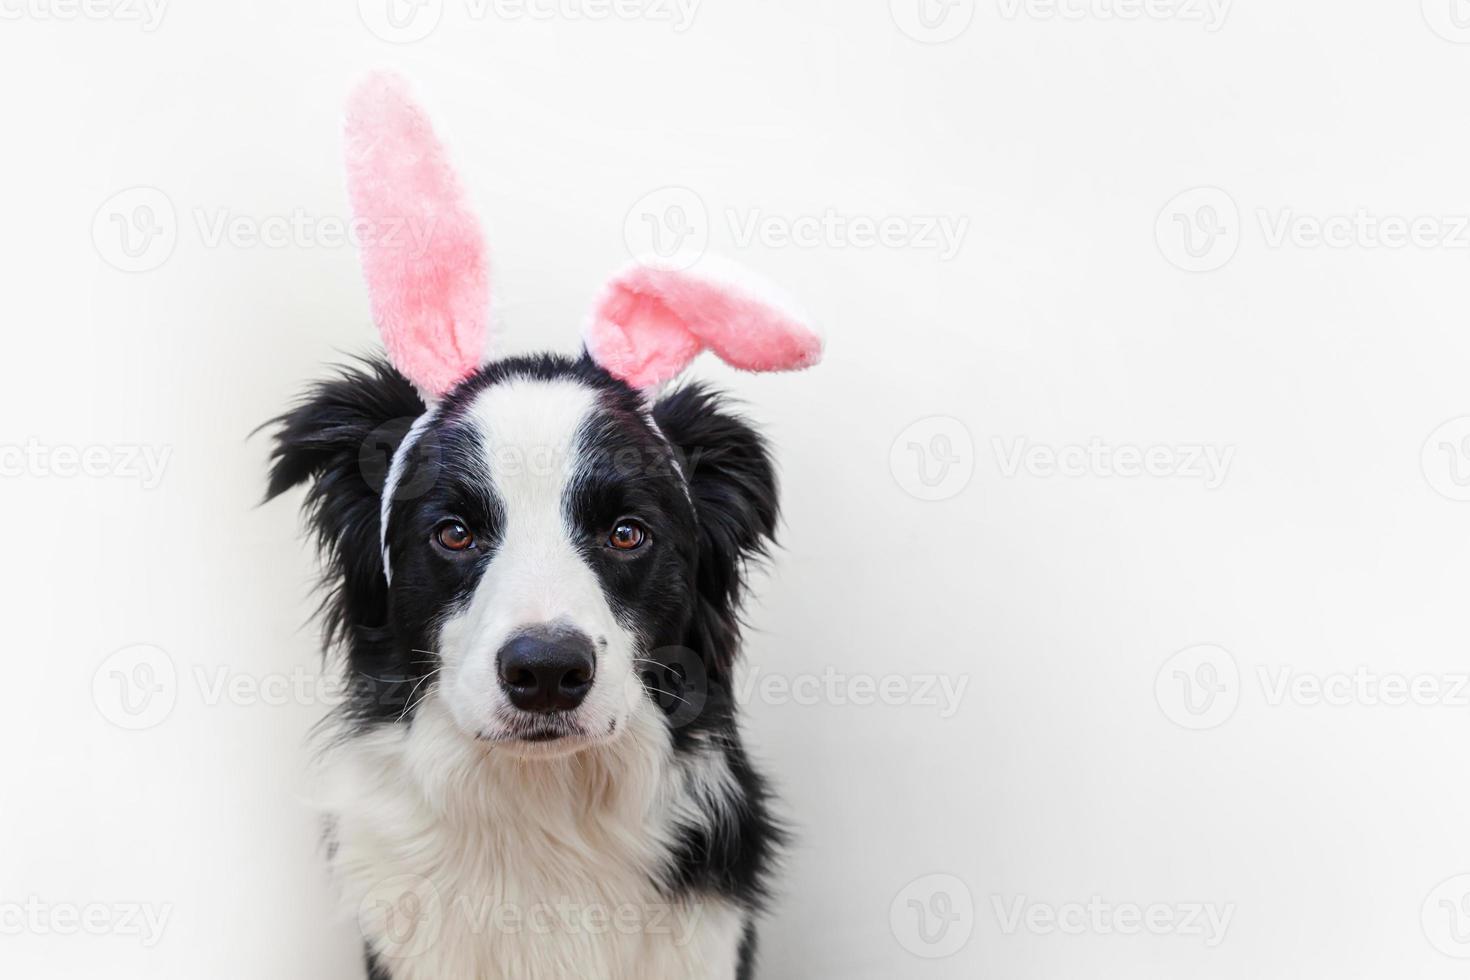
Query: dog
x=533, y=570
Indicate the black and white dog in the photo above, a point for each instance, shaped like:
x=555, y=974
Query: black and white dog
x=537, y=772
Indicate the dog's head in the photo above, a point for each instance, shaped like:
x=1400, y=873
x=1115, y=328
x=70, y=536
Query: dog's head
x=545, y=543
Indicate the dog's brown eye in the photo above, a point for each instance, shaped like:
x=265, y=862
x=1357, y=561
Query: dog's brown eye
x=454, y=536
x=627, y=536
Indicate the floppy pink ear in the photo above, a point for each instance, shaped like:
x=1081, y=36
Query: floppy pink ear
x=423, y=253
x=651, y=321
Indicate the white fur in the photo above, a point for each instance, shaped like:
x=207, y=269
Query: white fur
x=445, y=849
x=528, y=438
x=390, y=485
x=467, y=854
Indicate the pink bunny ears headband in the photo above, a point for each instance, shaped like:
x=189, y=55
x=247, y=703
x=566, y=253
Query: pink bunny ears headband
x=430, y=290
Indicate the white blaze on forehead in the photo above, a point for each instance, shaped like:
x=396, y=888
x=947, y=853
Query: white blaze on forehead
x=390, y=485
x=528, y=433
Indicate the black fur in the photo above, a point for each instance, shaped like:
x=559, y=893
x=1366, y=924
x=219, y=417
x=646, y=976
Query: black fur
x=683, y=601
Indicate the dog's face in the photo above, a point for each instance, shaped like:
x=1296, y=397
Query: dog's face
x=550, y=553
x=543, y=533
x=542, y=542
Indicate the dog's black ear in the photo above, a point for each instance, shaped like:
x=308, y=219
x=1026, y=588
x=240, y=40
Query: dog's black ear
x=340, y=439
x=733, y=485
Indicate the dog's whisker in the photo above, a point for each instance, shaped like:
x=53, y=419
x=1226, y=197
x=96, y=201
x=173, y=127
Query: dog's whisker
x=408, y=703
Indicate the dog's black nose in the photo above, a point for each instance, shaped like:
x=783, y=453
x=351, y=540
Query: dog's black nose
x=546, y=669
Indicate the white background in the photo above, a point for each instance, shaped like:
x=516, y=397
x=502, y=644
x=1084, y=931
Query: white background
x=1079, y=766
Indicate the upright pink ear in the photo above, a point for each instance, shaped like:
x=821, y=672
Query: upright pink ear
x=651, y=321
x=422, y=250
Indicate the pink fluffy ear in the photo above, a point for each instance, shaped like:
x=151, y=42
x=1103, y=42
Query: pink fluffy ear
x=651, y=321
x=423, y=253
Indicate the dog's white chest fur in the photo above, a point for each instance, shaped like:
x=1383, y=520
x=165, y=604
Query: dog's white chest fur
x=461, y=863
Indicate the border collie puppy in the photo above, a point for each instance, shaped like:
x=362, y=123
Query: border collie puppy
x=534, y=568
